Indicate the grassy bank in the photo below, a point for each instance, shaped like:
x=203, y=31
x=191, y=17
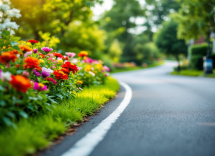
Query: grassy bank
x=118, y=70
x=193, y=73
x=37, y=132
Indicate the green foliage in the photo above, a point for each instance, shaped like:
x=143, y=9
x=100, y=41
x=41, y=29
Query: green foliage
x=36, y=132
x=166, y=39
x=146, y=53
x=115, y=51
x=161, y=10
x=198, y=49
x=81, y=36
x=197, y=52
x=193, y=18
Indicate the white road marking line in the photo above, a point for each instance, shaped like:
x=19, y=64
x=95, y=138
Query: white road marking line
x=87, y=144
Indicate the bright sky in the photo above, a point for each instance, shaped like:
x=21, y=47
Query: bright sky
x=107, y=4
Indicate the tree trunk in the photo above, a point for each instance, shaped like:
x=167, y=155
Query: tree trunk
x=178, y=60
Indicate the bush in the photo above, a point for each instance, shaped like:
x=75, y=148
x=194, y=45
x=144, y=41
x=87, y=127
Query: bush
x=196, y=62
x=197, y=52
x=199, y=49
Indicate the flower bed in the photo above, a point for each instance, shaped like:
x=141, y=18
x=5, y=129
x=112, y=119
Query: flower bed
x=32, y=79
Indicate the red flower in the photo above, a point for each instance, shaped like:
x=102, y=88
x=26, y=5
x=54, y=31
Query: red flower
x=60, y=75
x=43, y=56
x=65, y=70
x=6, y=57
x=71, y=67
x=20, y=83
x=51, y=80
x=57, y=55
x=32, y=63
x=33, y=41
x=15, y=52
x=65, y=58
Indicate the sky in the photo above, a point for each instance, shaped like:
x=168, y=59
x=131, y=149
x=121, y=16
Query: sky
x=107, y=4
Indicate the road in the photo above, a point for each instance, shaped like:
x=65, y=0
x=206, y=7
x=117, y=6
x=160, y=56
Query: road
x=167, y=116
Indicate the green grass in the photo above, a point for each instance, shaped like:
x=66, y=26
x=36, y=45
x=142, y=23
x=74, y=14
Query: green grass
x=118, y=70
x=193, y=73
x=37, y=133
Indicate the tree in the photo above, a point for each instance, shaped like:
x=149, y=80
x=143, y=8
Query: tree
x=194, y=17
x=161, y=9
x=115, y=51
x=119, y=17
x=167, y=42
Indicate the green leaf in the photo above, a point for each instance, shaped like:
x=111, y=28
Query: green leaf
x=6, y=34
x=13, y=43
x=23, y=114
x=7, y=121
x=16, y=47
x=19, y=71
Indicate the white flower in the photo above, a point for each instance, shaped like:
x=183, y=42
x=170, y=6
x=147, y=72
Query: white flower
x=91, y=73
x=6, y=76
x=12, y=32
x=14, y=13
x=48, y=70
x=2, y=27
x=12, y=25
x=4, y=7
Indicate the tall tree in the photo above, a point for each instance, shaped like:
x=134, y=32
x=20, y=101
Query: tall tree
x=120, y=17
x=167, y=42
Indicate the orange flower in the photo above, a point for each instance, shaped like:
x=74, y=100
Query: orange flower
x=66, y=71
x=32, y=63
x=60, y=75
x=20, y=83
x=6, y=57
x=83, y=54
x=80, y=82
x=25, y=48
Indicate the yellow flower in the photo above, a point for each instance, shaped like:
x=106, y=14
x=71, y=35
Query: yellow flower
x=41, y=85
x=41, y=61
x=79, y=82
x=99, y=66
x=88, y=68
x=60, y=61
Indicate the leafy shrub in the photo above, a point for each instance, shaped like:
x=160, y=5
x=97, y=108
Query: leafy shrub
x=197, y=52
x=196, y=62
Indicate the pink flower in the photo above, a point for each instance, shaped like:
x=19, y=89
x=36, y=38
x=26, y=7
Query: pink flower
x=74, y=61
x=106, y=68
x=53, y=67
x=46, y=49
x=25, y=73
x=39, y=86
x=88, y=60
x=70, y=54
x=27, y=53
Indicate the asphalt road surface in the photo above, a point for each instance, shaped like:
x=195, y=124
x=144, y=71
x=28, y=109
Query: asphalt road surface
x=167, y=116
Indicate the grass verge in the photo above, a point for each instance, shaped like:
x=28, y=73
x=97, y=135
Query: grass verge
x=37, y=132
x=118, y=70
x=193, y=73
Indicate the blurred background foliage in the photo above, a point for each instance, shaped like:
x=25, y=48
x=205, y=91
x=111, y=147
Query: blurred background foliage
x=69, y=25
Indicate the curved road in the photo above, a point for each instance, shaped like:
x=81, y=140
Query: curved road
x=167, y=116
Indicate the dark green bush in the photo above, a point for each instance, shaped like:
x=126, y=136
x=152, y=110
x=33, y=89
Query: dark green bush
x=198, y=49
x=196, y=62
x=197, y=52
